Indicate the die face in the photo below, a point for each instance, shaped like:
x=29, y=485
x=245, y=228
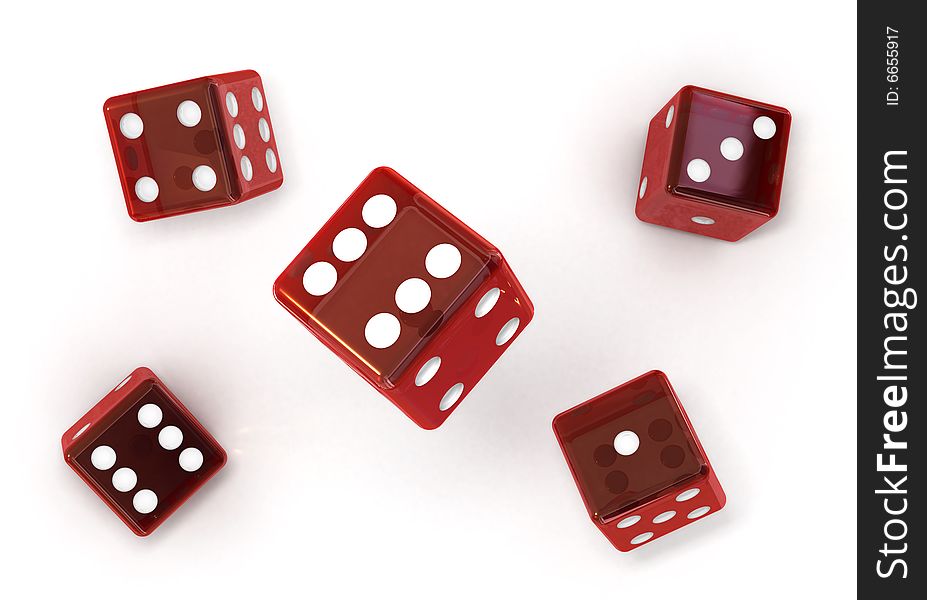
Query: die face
x=245, y=121
x=393, y=295
x=714, y=133
x=168, y=150
x=367, y=285
x=744, y=170
x=143, y=453
x=464, y=349
x=667, y=453
x=677, y=508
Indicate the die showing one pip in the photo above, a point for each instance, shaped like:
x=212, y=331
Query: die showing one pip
x=713, y=164
x=193, y=145
x=142, y=451
x=407, y=295
x=639, y=467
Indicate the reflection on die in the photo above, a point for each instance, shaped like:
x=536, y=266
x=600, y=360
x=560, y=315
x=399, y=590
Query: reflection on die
x=637, y=462
x=713, y=164
x=142, y=451
x=193, y=145
x=407, y=295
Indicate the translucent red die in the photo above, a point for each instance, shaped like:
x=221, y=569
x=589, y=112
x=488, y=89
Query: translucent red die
x=407, y=295
x=639, y=467
x=193, y=145
x=142, y=451
x=713, y=164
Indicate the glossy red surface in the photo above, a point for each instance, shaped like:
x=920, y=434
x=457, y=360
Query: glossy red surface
x=446, y=327
x=742, y=189
x=169, y=150
x=645, y=483
x=114, y=425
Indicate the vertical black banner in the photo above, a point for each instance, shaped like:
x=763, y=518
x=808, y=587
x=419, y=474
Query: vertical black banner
x=892, y=437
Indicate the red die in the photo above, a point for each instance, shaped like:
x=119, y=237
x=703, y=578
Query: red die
x=193, y=145
x=406, y=294
x=142, y=451
x=637, y=463
x=713, y=164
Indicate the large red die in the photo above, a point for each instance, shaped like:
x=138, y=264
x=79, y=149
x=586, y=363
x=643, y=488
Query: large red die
x=142, y=451
x=410, y=297
x=639, y=467
x=713, y=164
x=193, y=145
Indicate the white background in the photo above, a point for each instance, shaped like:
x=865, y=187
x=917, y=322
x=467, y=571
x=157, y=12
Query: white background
x=528, y=123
